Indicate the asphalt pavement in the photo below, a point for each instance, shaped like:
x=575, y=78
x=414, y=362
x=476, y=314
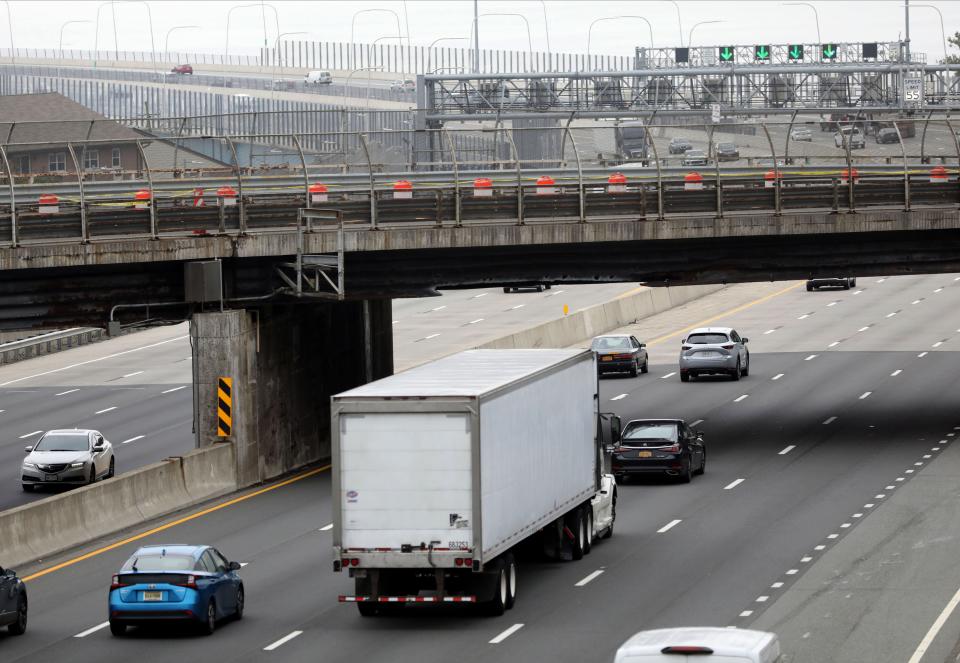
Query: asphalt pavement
x=847, y=392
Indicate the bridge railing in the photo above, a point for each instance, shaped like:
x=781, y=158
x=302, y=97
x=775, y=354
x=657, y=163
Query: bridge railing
x=572, y=173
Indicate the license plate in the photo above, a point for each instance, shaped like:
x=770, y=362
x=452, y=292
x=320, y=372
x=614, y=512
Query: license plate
x=710, y=355
x=50, y=477
x=153, y=596
x=645, y=454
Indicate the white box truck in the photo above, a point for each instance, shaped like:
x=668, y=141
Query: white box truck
x=441, y=472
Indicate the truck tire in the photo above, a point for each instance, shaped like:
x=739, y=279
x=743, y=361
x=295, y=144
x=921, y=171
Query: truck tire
x=497, y=604
x=511, y=565
x=575, y=523
x=589, y=521
x=607, y=533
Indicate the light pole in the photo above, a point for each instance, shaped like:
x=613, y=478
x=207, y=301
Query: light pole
x=346, y=85
x=261, y=5
x=13, y=50
x=546, y=29
x=279, y=60
x=679, y=22
x=62, y=26
x=816, y=15
x=436, y=41
x=153, y=49
x=943, y=32
x=166, y=39
x=695, y=26
x=353, y=24
x=526, y=22
x=612, y=18
x=96, y=31
x=370, y=59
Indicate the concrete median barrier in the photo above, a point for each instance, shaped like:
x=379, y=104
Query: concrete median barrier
x=38, y=530
x=583, y=325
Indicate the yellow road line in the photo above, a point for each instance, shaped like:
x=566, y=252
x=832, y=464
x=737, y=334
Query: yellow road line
x=180, y=521
x=742, y=307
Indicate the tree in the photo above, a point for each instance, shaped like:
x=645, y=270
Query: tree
x=953, y=41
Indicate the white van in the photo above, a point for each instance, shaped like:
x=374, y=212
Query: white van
x=318, y=78
x=707, y=644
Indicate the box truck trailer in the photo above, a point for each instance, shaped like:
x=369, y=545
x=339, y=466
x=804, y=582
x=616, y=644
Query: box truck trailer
x=442, y=473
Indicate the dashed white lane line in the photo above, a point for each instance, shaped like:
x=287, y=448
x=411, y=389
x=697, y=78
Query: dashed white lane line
x=36, y=432
x=938, y=290
x=170, y=391
x=326, y=528
x=931, y=635
x=890, y=315
x=741, y=398
x=881, y=280
x=916, y=301
x=427, y=338
x=133, y=439
x=922, y=354
x=91, y=361
x=556, y=292
x=669, y=526
x=858, y=292
x=845, y=525
x=94, y=629
x=804, y=316
x=130, y=375
x=506, y=634
x=107, y=409
x=473, y=322
x=620, y=397
x=746, y=613
x=806, y=559
x=439, y=308
x=896, y=373
x=937, y=344
x=514, y=308
x=832, y=536
x=733, y=484
x=68, y=391
x=792, y=572
x=863, y=329
x=834, y=344
x=820, y=547
x=858, y=515
x=769, y=331
x=762, y=599
x=593, y=576
x=777, y=376
x=832, y=304
x=668, y=375
x=282, y=641
x=811, y=357
x=829, y=421
x=482, y=294
x=865, y=394
x=698, y=421
x=787, y=450
x=776, y=585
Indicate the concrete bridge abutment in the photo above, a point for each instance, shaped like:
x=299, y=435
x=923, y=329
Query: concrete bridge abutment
x=284, y=362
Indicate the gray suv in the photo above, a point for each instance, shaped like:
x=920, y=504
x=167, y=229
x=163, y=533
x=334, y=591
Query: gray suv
x=714, y=351
x=67, y=457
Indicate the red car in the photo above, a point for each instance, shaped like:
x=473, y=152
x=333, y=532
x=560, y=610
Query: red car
x=182, y=69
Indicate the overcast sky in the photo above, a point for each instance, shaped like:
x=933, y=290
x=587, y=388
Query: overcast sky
x=37, y=23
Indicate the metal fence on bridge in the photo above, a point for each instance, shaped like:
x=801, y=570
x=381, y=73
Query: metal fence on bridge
x=454, y=177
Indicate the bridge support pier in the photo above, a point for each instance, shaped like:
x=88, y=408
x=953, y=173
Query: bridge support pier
x=285, y=362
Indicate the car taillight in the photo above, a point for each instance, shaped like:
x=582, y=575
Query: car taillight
x=116, y=584
x=191, y=583
x=727, y=347
x=675, y=449
x=625, y=356
x=687, y=347
x=354, y=561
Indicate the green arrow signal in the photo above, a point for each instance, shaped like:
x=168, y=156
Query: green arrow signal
x=829, y=50
x=726, y=53
x=762, y=52
x=796, y=52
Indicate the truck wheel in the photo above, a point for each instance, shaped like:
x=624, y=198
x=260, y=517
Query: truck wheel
x=607, y=533
x=684, y=376
x=511, y=565
x=588, y=545
x=574, y=522
x=496, y=606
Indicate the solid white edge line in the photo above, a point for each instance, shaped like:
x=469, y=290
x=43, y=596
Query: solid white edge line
x=94, y=629
x=617, y=398
x=174, y=389
x=133, y=439
x=787, y=450
x=593, y=576
x=91, y=361
x=733, y=484
x=282, y=641
x=506, y=634
x=935, y=628
x=669, y=526
x=326, y=528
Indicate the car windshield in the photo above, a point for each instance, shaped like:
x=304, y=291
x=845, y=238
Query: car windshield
x=694, y=153
x=633, y=132
x=611, y=343
x=649, y=434
x=730, y=147
x=63, y=442
x=158, y=562
x=702, y=339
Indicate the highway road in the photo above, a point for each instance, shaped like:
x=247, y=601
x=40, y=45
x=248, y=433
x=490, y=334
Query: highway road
x=137, y=389
x=850, y=400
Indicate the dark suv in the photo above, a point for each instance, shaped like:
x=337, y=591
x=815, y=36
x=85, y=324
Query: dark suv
x=13, y=602
x=727, y=152
x=887, y=136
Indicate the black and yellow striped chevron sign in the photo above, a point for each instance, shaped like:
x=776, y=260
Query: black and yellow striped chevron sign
x=224, y=406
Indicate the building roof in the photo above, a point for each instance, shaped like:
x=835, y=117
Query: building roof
x=53, y=118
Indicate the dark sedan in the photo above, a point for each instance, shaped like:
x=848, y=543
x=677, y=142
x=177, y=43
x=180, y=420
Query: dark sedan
x=679, y=145
x=659, y=446
x=887, y=136
x=13, y=602
x=620, y=353
x=727, y=152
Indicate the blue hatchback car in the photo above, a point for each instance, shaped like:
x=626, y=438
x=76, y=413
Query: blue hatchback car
x=175, y=583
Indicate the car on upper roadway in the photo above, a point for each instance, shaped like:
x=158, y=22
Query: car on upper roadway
x=73, y=456
x=887, y=135
x=318, y=78
x=850, y=135
x=406, y=85
x=727, y=152
x=694, y=158
x=659, y=446
x=672, y=645
x=182, y=69
x=175, y=583
x=801, y=134
x=536, y=287
x=712, y=351
x=619, y=353
x=845, y=282
x=679, y=145
x=13, y=602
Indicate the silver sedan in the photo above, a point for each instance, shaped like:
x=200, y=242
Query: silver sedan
x=67, y=457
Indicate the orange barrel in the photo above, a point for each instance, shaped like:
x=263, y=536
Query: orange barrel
x=546, y=186
x=693, y=182
x=141, y=199
x=402, y=190
x=617, y=183
x=483, y=187
x=227, y=196
x=318, y=193
x=48, y=204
